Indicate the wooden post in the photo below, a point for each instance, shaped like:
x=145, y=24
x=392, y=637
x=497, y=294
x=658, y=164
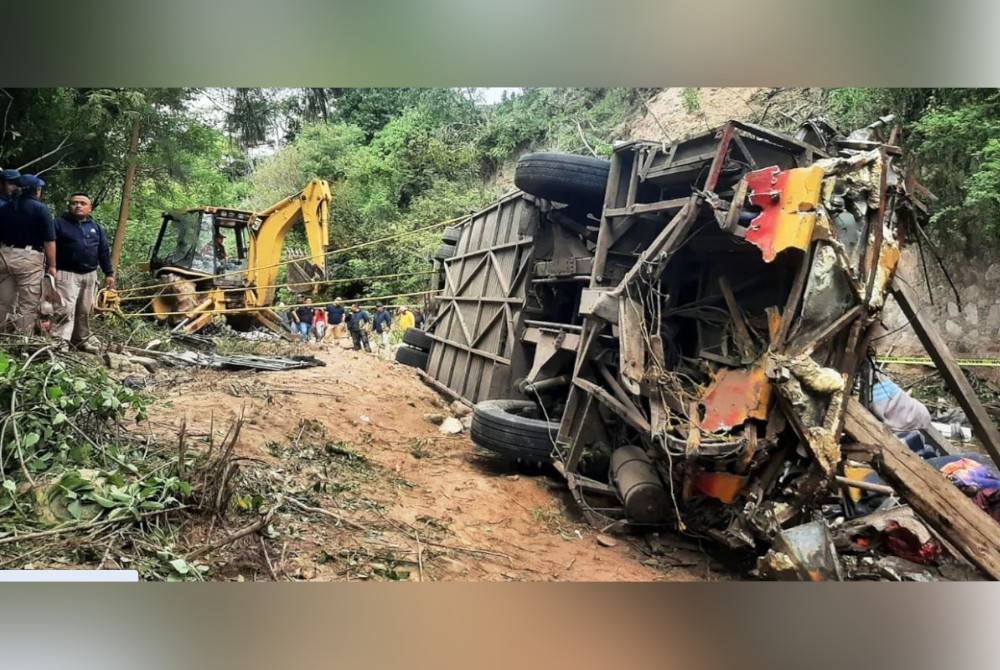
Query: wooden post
x=947, y=510
x=133, y=147
x=930, y=337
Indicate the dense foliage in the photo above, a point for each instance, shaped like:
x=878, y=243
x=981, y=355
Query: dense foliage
x=953, y=136
x=401, y=159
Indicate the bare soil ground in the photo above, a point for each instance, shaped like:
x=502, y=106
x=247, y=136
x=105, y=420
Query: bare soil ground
x=401, y=500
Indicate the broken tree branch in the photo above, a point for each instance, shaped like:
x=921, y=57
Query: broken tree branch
x=243, y=532
x=332, y=515
x=83, y=526
x=45, y=155
x=584, y=139
x=267, y=559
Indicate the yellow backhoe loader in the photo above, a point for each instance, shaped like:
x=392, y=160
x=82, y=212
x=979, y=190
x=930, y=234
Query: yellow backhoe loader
x=215, y=260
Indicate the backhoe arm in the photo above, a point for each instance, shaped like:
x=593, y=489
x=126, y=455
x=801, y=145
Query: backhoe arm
x=311, y=206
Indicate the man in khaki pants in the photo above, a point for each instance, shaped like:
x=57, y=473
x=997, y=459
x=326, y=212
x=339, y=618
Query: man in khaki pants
x=27, y=246
x=81, y=246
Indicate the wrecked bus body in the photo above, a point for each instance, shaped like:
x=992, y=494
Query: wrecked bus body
x=682, y=347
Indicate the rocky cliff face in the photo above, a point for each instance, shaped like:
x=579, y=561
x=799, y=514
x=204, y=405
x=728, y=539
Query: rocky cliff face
x=970, y=321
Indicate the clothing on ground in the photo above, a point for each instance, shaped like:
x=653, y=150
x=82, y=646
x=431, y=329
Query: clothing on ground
x=897, y=408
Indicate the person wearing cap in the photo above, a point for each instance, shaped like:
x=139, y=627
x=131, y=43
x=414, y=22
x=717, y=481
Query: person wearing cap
x=382, y=325
x=9, y=185
x=27, y=252
x=406, y=319
x=357, y=324
x=335, y=317
x=81, y=247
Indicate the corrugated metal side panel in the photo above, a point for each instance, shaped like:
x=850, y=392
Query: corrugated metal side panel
x=488, y=259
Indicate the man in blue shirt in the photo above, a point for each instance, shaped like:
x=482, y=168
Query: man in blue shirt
x=360, y=319
x=382, y=325
x=27, y=252
x=335, y=317
x=81, y=247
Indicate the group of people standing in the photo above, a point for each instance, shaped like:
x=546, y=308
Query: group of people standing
x=48, y=266
x=334, y=321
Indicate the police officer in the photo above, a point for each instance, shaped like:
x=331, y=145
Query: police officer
x=81, y=246
x=8, y=185
x=27, y=252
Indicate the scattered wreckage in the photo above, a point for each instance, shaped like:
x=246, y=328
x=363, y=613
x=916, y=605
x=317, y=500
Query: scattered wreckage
x=683, y=332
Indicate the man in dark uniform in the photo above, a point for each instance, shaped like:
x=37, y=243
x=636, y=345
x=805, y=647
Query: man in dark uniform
x=359, y=320
x=27, y=252
x=81, y=246
x=8, y=185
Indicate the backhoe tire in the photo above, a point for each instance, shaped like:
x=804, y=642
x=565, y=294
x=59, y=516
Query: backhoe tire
x=418, y=339
x=415, y=358
x=507, y=428
x=451, y=235
x=565, y=178
x=445, y=251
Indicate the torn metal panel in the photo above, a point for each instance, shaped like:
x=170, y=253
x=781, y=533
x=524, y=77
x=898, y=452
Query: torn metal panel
x=787, y=200
x=802, y=553
x=723, y=486
x=735, y=396
x=828, y=291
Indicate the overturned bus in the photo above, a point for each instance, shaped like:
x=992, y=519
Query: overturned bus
x=679, y=330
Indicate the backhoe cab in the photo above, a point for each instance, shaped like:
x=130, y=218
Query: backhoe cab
x=214, y=260
x=202, y=242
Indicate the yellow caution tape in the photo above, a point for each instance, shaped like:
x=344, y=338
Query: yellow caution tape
x=926, y=360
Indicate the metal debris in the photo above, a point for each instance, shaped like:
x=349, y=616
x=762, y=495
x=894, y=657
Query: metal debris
x=710, y=324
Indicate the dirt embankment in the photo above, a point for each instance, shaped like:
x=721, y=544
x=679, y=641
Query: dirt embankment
x=352, y=439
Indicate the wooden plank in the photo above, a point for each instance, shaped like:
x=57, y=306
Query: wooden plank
x=972, y=532
x=982, y=425
x=442, y=389
x=632, y=347
x=736, y=314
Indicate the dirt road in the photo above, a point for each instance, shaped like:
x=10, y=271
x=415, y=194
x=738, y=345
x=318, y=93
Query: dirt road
x=351, y=438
